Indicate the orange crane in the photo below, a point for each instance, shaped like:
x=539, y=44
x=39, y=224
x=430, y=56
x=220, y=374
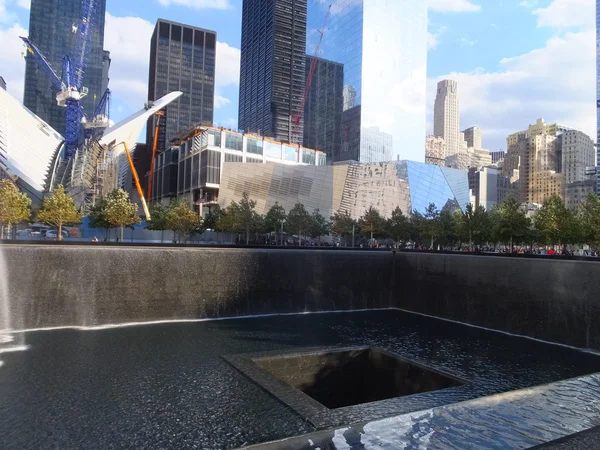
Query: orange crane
x=297, y=118
x=159, y=114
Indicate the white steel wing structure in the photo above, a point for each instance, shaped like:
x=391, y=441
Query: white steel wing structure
x=30, y=151
x=28, y=146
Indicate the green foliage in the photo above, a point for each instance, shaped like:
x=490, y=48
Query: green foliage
x=273, y=218
x=473, y=225
x=14, y=205
x=319, y=226
x=341, y=225
x=372, y=224
x=397, y=225
x=158, y=213
x=512, y=224
x=97, y=215
x=431, y=226
x=182, y=220
x=58, y=210
x=212, y=218
x=119, y=210
x=239, y=217
x=416, y=223
x=298, y=220
x=554, y=223
x=589, y=220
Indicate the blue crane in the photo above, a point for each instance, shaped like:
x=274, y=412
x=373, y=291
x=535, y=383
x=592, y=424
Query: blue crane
x=70, y=84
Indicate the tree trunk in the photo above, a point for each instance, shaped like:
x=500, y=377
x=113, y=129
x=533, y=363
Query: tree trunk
x=1, y=231
x=60, y=232
x=247, y=236
x=371, y=234
x=431, y=247
x=511, y=244
x=470, y=241
x=122, y=232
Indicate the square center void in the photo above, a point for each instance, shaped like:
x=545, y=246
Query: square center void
x=351, y=377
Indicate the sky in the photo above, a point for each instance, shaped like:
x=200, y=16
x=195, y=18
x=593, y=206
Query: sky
x=514, y=60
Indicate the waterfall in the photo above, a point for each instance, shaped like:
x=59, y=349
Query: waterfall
x=9, y=342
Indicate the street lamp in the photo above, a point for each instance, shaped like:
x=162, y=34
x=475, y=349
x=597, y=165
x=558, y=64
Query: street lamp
x=136, y=179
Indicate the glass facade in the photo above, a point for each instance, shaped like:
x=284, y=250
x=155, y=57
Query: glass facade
x=382, y=45
x=50, y=29
x=323, y=107
x=351, y=187
x=272, y=67
x=182, y=58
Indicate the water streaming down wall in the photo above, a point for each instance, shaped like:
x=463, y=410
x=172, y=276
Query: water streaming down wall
x=53, y=286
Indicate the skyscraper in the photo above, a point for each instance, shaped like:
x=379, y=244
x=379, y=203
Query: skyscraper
x=473, y=137
x=383, y=47
x=51, y=29
x=272, y=68
x=598, y=93
x=446, y=115
x=182, y=58
x=323, y=107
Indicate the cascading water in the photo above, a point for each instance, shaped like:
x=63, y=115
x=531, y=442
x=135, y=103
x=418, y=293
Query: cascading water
x=8, y=340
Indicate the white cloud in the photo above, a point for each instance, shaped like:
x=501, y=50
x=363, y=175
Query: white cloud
x=198, y=4
x=228, y=66
x=466, y=42
x=528, y=3
x=434, y=37
x=26, y=4
x=12, y=62
x=221, y=101
x=567, y=14
x=556, y=82
x=452, y=6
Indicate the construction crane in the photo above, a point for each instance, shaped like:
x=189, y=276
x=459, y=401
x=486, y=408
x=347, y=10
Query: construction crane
x=159, y=114
x=70, y=84
x=296, y=119
x=100, y=119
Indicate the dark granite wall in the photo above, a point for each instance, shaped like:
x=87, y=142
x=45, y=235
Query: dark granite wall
x=69, y=285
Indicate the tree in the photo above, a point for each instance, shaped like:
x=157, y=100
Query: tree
x=473, y=225
x=342, y=225
x=212, y=218
x=512, y=225
x=274, y=218
x=247, y=216
x=416, y=226
x=58, y=210
x=554, y=222
x=398, y=226
x=372, y=223
x=120, y=212
x=239, y=217
x=182, y=220
x=158, y=213
x=448, y=226
x=319, y=226
x=97, y=216
x=298, y=220
x=589, y=218
x=431, y=226
x=14, y=205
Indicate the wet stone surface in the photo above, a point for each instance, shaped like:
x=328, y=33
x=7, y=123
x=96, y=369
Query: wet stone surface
x=170, y=385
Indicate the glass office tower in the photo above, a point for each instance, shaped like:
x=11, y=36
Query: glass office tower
x=51, y=30
x=323, y=107
x=272, y=68
x=383, y=47
x=182, y=58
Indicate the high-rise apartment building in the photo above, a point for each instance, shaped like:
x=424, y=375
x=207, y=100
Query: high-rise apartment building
x=534, y=161
x=272, y=68
x=383, y=47
x=436, y=151
x=52, y=24
x=182, y=58
x=473, y=137
x=323, y=107
x=446, y=115
x=497, y=156
x=578, y=154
